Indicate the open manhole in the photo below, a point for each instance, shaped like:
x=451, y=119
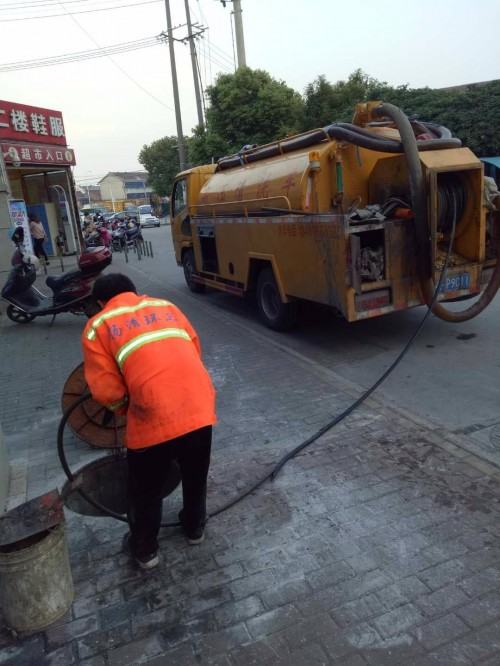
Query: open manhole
x=105, y=481
x=91, y=421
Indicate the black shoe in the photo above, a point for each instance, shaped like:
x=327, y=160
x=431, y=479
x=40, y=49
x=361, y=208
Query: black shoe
x=195, y=536
x=47, y=263
x=145, y=562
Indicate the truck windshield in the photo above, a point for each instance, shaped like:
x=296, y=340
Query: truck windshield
x=144, y=210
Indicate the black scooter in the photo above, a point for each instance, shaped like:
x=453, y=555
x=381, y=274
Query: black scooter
x=125, y=236
x=71, y=292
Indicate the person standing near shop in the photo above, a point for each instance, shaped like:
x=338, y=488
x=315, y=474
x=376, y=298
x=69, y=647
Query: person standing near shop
x=143, y=359
x=39, y=237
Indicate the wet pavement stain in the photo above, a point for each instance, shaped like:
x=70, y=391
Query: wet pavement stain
x=466, y=336
x=425, y=469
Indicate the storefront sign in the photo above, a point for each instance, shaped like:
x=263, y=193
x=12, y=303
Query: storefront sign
x=17, y=154
x=19, y=218
x=20, y=122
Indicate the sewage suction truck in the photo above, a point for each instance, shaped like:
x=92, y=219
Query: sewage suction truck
x=361, y=216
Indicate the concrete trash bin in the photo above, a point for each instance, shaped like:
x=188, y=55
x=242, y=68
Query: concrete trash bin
x=36, y=586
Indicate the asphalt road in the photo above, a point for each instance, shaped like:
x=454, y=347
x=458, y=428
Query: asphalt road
x=451, y=374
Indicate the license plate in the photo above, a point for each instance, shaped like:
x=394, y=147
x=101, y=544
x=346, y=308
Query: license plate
x=456, y=282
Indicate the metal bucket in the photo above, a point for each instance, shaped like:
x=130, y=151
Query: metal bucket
x=105, y=481
x=36, y=586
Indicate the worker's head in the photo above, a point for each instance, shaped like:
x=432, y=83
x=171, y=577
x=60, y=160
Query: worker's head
x=110, y=285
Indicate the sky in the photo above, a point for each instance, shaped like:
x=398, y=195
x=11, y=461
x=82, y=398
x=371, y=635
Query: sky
x=113, y=105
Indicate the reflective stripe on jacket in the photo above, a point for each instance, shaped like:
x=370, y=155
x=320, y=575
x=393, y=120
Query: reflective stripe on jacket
x=143, y=358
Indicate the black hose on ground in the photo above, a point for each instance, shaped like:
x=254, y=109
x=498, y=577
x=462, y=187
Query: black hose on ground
x=418, y=198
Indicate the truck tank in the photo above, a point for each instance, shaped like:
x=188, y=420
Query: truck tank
x=319, y=171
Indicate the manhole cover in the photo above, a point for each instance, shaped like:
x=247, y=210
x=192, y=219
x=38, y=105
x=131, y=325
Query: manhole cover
x=88, y=420
x=105, y=481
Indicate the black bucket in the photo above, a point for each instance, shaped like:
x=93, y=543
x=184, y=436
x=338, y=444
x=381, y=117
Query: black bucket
x=105, y=481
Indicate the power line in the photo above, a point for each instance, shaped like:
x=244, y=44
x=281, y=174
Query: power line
x=123, y=71
x=80, y=55
x=40, y=4
x=85, y=11
x=222, y=54
x=213, y=59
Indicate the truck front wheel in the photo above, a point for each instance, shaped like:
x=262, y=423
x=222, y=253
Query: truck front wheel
x=189, y=266
x=276, y=315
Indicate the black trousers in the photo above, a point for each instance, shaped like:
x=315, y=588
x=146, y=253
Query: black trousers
x=147, y=472
x=38, y=248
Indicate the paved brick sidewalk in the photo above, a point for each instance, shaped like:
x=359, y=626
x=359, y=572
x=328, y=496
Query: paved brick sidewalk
x=379, y=544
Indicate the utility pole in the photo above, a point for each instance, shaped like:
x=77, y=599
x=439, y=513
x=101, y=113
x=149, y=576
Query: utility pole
x=175, y=87
x=194, y=64
x=238, y=29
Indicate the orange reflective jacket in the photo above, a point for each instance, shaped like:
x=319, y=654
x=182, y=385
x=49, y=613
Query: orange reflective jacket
x=143, y=358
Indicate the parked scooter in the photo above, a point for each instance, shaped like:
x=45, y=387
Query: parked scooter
x=71, y=292
x=99, y=237
x=126, y=234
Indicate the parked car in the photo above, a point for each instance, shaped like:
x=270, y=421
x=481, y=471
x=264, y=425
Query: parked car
x=146, y=218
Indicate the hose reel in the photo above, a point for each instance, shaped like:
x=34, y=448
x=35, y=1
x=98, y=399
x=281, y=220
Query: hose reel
x=90, y=421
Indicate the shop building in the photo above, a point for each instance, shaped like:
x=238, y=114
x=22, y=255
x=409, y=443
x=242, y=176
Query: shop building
x=36, y=165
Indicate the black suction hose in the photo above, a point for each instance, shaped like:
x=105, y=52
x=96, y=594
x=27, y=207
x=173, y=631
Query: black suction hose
x=288, y=456
x=367, y=139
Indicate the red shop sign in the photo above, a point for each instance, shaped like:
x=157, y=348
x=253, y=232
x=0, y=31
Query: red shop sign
x=20, y=122
x=23, y=154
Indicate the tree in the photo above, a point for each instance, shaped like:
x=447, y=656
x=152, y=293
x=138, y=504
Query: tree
x=205, y=146
x=472, y=114
x=250, y=107
x=325, y=102
x=318, y=103
x=477, y=117
x=161, y=161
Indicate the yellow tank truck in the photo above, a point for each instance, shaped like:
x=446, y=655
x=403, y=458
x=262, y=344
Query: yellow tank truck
x=360, y=216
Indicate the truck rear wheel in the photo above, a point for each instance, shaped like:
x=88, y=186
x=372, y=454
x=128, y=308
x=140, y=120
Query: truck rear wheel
x=189, y=266
x=276, y=315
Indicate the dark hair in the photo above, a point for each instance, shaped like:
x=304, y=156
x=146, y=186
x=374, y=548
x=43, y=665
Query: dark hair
x=110, y=285
x=32, y=217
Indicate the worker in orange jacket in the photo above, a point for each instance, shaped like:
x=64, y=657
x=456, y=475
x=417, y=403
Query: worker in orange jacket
x=143, y=359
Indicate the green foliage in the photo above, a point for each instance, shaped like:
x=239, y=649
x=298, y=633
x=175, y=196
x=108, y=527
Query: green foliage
x=250, y=106
x=161, y=161
x=205, y=145
x=326, y=103
x=475, y=118
x=473, y=115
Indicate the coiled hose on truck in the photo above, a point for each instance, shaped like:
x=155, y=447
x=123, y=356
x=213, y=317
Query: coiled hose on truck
x=419, y=206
